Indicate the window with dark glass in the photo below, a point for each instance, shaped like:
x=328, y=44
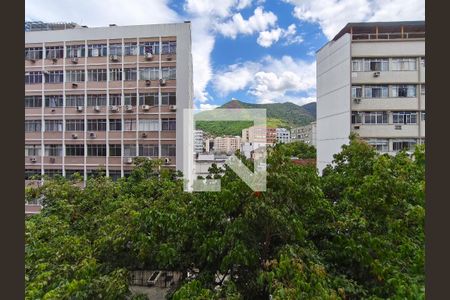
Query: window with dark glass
x=149, y=47
x=96, y=150
x=168, y=99
x=53, y=150
x=168, y=150
x=130, y=49
x=96, y=100
x=54, y=52
x=148, y=150
x=74, y=75
x=74, y=150
x=53, y=125
x=75, y=125
x=375, y=117
x=168, y=124
x=54, y=101
x=33, y=77
x=75, y=51
x=115, y=99
x=74, y=100
x=97, y=75
x=169, y=47
x=33, y=125
x=115, y=150
x=96, y=125
x=97, y=50
x=115, y=124
x=130, y=99
x=130, y=74
x=33, y=101
x=33, y=53
x=54, y=76
x=404, y=117
x=148, y=99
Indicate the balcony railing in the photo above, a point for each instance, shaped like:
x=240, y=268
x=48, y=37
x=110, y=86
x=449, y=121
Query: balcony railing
x=388, y=36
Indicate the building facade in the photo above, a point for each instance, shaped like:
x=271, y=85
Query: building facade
x=198, y=141
x=95, y=98
x=227, y=144
x=306, y=134
x=257, y=134
x=371, y=81
x=283, y=135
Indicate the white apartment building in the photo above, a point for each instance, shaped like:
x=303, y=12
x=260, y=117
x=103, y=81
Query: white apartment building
x=371, y=81
x=227, y=144
x=283, y=135
x=306, y=134
x=198, y=141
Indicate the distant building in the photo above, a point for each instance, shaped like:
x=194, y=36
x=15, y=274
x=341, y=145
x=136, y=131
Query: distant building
x=198, y=141
x=257, y=134
x=205, y=161
x=371, y=81
x=283, y=135
x=248, y=149
x=227, y=144
x=306, y=134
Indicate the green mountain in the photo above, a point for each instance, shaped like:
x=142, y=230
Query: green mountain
x=287, y=115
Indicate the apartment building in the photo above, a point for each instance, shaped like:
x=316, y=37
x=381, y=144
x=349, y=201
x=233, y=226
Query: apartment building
x=371, y=81
x=258, y=134
x=198, y=141
x=283, y=135
x=306, y=134
x=95, y=98
x=227, y=144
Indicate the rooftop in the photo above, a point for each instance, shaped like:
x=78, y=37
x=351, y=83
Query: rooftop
x=42, y=26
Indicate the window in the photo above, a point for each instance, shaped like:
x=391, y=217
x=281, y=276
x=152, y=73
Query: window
x=168, y=124
x=129, y=125
x=149, y=47
x=149, y=74
x=168, y=47
x=130, y=74
x=149, y=125
x=96, y=100
x=53, y=172
x=75, y=51
x=74, y=100
x=376, y=64
x=97, y=50
x=115, y=150
x=356, y=117
x=422, y=116
x=168, y=99
x=33, y=101
x=54, y=52
x=96, y=150
x=33, y=53
x=32, y=173
x=75, y=125
x=114, y=174
x=357, y=65
x=115, y=74
x=54, y=76
x=130, y=49
x=398, y=145
x=404, y=64
x=97, y=75
x=53, y=125
x=422, y=89
x=53, y=150
x=405, y=117
x=115, y=99
x=422, y=62
x=115, y=124
x=129, y=150
x=356, y=92
x=169, y=73
x=32, y=150
x=75, y=150
x=74, y=75
x=54, y=101
x=404, y=90
x=115, y=49
x=130, y=99
x=33, y=125
x=151, y=99
x=373, y=91
x=168, y=150
x=96, y=125
x=148, y=150
x=375, y=117
x=379, y=145
x=33, y=77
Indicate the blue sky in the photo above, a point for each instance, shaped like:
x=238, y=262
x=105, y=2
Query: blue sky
x=258, y=51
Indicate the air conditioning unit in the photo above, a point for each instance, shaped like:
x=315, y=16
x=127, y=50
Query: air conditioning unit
x=52, y=160
x=146, y=107
x=74, y=136
x=148, y=82
x=114, y=57
x=74, y=60
x=33, y=159
x=162, y=82
x=398, y=127
x=74, y=85
x=92, y=134
x=357, y=100
x=129, y=108
x=32, y=60
x=169, y=58
x=173, y=107
x=356, y=127
x=144, y=134
x=376, y=74
x=128, y=160
x=114, y=108
x=97, y=108
x=55, y=60
x=148, y=56
x=79, y=108
x=53, y=109
x=166, y=160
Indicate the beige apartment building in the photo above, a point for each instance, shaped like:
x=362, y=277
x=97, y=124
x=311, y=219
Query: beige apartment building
x=227, y=144
x=95, y=98
x=306, y=134
x=258, y=134
x=371, y=81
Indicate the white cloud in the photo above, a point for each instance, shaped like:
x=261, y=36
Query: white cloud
x=269, y=80
x=206, y=106
x=259, y=21
x=222, y=8
x=332, y=15
x=267, y=38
